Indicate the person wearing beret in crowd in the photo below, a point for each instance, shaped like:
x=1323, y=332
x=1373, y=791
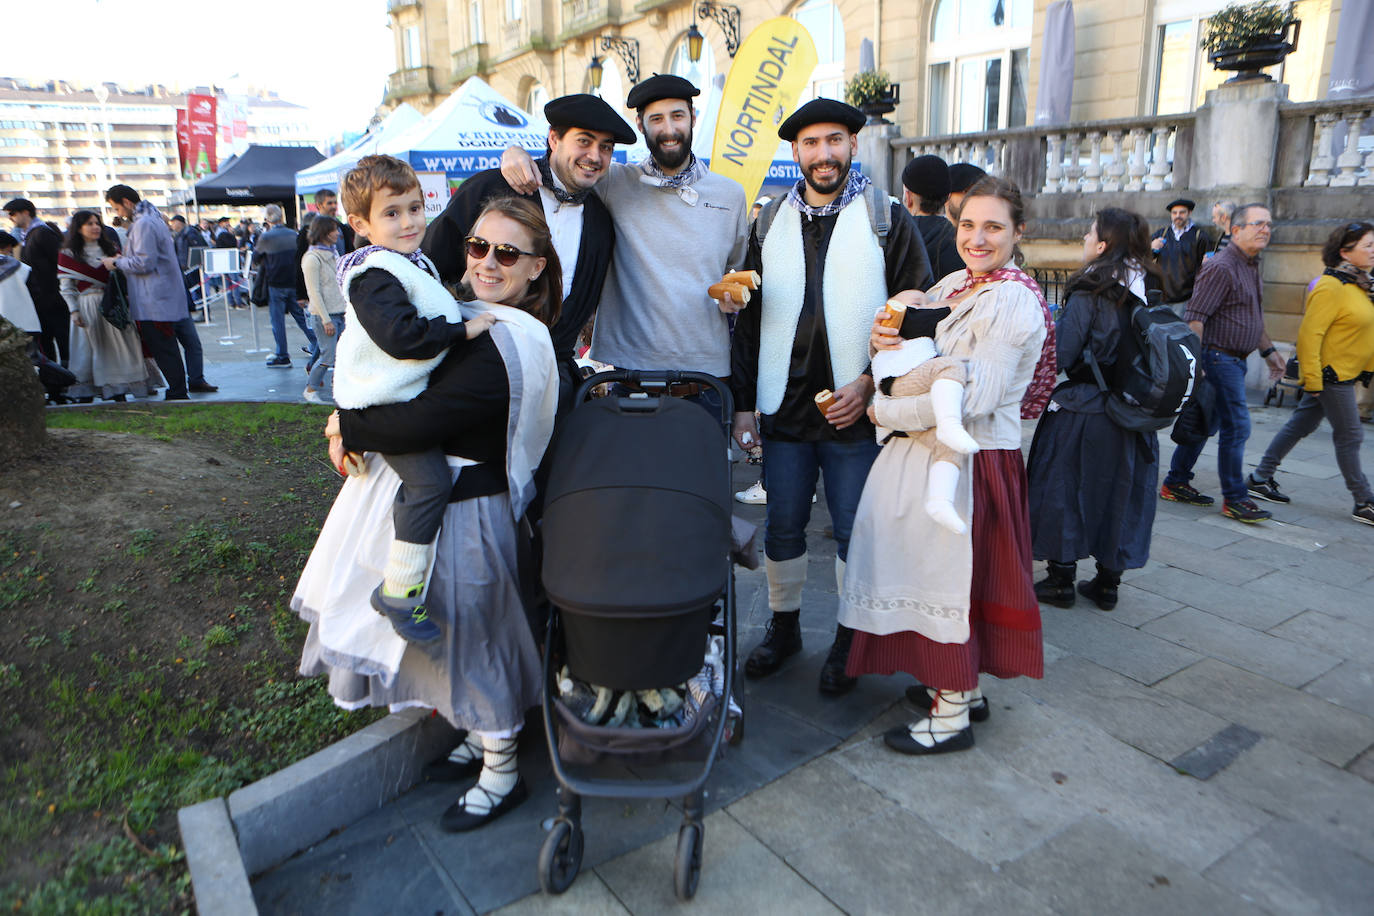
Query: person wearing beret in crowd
x=655, y=312
x=827, y=267
x=583, y=131
x=926, y=190
x=962, y=176
x=1180, y=249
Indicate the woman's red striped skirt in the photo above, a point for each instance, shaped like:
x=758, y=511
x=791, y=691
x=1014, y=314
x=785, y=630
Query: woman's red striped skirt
x=1004, y=617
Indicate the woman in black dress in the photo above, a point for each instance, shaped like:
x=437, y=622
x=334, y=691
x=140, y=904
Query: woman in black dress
x=1092, y=483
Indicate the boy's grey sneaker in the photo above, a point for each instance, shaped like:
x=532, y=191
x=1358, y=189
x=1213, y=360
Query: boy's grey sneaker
x=408, y=618
x=1364, y=512
x=1265, y=489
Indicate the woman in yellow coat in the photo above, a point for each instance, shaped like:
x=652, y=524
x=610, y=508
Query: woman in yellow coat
x=1335, y=350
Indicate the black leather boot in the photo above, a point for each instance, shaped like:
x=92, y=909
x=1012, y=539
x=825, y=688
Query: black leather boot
x=1102, y=588
x=781, y=641
x=1057, y=587
x=834, y=682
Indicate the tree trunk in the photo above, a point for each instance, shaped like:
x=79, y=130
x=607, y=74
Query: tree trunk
x=23, y=428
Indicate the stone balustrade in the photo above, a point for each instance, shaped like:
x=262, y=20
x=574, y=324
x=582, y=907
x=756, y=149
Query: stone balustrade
x=1320, y=144
x=1126, y=154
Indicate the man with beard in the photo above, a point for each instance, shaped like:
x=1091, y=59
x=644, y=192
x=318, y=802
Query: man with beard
x=827, y=266
x=1180, y=249
x=655, y=312
x=583, y=131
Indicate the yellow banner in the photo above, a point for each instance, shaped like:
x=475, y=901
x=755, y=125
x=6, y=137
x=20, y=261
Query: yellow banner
x=768, y=75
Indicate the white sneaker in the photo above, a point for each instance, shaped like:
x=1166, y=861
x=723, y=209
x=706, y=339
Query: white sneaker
x=754, y=496
x=312, y=395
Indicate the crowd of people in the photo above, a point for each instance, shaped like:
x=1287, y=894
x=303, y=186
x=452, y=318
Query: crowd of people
x=889, y=348
x=112, y=307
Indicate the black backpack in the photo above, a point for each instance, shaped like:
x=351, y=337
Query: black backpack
x=1158, y=366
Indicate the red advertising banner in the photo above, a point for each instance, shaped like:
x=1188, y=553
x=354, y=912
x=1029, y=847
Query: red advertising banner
x=183, y=144
x=203, y=126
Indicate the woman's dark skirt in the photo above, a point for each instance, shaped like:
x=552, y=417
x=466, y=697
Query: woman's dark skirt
x=1004, y=617
x=1092, y=490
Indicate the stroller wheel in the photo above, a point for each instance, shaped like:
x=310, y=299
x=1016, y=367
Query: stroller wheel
x=687, y=867
x=560, y=857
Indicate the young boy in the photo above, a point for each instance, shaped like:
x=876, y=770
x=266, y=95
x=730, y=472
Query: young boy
x=400, y=323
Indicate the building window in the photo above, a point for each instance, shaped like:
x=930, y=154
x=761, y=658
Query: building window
x=979, y=68
x=536, y=99
x=411, y=50
x=1183, y=74
x=515, y=10
x=476, y=31
x=822, y=20
x=699, y=73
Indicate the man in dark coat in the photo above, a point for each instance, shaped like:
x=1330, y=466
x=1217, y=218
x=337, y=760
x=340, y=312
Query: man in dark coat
x=926, y=183
x=582, y=131
x=41, y=244
x=1180, y=249
x=326, y=204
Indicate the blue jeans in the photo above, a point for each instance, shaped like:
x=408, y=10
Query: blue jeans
x=281, y=300
x=790, y=471
x=1226, y=375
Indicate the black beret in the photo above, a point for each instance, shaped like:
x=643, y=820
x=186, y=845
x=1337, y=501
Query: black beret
x=1181, y=202
x=927, y=176
x=660, y=86
x=588, y=112
x=963, y=176
x=822, y=111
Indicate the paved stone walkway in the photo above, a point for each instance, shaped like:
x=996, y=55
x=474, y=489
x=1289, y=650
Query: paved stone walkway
x=1206, y=747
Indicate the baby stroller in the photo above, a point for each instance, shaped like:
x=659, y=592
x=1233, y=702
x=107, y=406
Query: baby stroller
x=637, y=542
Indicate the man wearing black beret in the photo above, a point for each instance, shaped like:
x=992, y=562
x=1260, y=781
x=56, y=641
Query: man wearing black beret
x=962, y=176
x=679, y=228
x=830, y=253
x=925, y=183
x=1180, y=249
x=583, y=131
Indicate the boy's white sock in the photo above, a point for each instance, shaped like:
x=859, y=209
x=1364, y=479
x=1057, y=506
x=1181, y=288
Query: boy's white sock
x=406, y=565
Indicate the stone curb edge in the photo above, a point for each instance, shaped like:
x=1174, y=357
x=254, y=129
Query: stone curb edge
x=263, y=824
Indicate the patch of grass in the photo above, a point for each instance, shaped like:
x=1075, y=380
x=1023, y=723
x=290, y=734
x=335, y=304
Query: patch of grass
x=153, y=720
x=219, y=635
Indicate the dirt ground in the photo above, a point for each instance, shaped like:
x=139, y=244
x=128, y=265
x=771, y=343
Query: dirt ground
x=148, y=654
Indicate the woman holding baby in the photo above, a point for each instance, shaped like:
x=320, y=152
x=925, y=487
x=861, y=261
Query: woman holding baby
x=941, y=599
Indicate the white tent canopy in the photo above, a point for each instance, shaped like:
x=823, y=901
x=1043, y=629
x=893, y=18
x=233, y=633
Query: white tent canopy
x=467, y=133
x=330, y=172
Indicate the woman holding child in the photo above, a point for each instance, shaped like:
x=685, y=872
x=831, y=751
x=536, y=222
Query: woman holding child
x=489, y=406
x=925, y=598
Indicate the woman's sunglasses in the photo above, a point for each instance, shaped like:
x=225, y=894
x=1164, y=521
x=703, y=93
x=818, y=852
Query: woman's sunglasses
x=506, y=255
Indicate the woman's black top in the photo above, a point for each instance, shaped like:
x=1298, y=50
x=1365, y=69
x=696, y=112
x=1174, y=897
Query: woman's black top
x=1093, y=322
x=463, y=411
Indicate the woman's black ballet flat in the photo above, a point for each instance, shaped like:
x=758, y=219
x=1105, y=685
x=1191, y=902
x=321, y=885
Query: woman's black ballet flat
x=918, y=698
x=899, y=739
x=458, y=819
x=445, y=770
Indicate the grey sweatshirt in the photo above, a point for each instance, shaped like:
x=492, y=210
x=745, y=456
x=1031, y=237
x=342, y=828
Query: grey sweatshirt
x=654, y=312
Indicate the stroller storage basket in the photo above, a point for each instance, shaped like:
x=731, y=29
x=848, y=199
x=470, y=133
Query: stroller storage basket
x=583, y=743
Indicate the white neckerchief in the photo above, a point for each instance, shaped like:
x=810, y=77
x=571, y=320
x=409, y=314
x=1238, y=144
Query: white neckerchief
x=565, y=228
x=527, y=351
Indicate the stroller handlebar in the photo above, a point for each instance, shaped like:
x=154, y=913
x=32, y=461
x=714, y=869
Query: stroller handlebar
x=662, y=381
